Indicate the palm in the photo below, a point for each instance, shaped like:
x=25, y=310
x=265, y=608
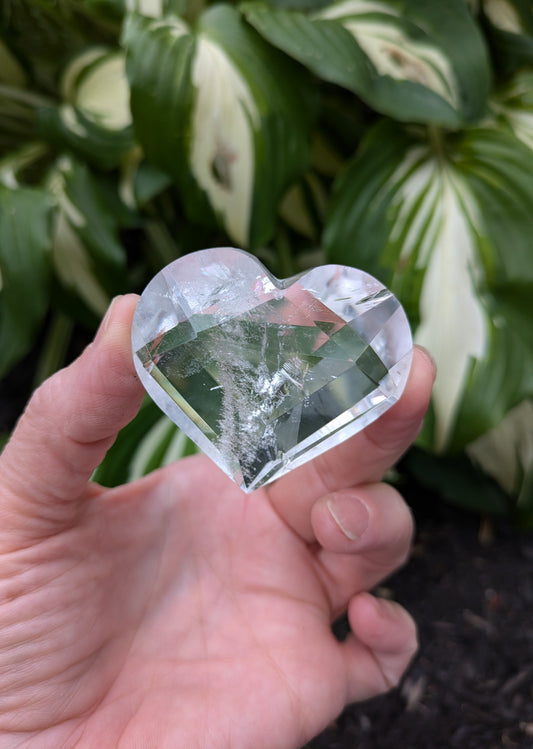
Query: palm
x=177, y=611
x=177, y=583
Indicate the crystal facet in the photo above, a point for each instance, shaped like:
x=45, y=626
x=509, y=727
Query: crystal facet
x=266, y=374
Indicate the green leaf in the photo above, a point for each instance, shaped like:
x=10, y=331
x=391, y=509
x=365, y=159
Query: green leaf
x=509, y=25
x=25, y=222
x=44, y=34
x=149, y=442
x=218, y=112
x=16, y=102
x=108, y=9
x=448, y=224
x=304, y=205
x=87, y=254
x=421, y=62
x=67, y=128
x=114, y=470
x=459, y=481
x=11, y=71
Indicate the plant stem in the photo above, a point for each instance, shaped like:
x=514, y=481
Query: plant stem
x=436, y=140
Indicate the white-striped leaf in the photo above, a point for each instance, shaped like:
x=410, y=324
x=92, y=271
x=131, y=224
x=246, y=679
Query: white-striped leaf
x=87, y=255
x=149, y=442
x=223, y=113
x=96, y=83
x=510, y=28
x=435, y=221
x=94, y=120
x=503, y=15
x=474, y=6
x=506, y=452
x=422, y=62
x=163, y=444
x=148, y=8
x=68, y=128
x=513, y=106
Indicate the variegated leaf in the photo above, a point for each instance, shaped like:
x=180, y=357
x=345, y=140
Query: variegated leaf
x=513, y=106
x=99, y=88
x=67, y=128
x=87, y=255
x=506, y=452
x=148, y=442
x=163, y=444
x=415, y=62
x=219, y=113
x=503, y=15
x=94, y=120
x=148, y=8
x=510, y=28
x=435, y=219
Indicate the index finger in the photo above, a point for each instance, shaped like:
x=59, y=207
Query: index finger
x=364, y=458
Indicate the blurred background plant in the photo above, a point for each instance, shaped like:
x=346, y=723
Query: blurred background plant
x=391, y=135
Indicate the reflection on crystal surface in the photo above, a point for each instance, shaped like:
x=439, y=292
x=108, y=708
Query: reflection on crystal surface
x=264, y=374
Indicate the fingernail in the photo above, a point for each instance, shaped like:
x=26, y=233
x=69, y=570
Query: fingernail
x=350, y=514
x=104, y=324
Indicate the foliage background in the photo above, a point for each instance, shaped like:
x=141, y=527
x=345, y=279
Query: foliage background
x=392, y=135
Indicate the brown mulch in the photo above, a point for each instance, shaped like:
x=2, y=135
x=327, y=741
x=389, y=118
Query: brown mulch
x=469, y=585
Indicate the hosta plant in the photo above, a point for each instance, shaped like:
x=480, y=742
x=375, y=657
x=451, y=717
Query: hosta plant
x=392, y=135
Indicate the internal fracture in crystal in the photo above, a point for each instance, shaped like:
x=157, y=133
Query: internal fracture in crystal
x=264, y=374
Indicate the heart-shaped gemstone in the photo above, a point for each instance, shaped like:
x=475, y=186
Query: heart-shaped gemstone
x=263, y=374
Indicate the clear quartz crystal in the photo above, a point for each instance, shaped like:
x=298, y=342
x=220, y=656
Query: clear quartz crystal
x=266, y=374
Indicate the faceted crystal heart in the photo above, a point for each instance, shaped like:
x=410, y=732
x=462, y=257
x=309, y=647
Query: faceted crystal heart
x=266, y=374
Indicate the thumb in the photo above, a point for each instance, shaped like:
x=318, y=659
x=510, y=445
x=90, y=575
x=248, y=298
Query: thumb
x=69, y=424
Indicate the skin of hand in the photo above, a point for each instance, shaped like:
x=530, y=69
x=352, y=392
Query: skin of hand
x=177, y=611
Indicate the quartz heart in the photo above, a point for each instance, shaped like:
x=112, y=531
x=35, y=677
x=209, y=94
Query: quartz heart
x=264, y=374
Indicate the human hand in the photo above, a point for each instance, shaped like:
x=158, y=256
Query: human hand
x=176, y=611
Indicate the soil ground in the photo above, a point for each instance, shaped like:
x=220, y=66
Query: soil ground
x=469, y=586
